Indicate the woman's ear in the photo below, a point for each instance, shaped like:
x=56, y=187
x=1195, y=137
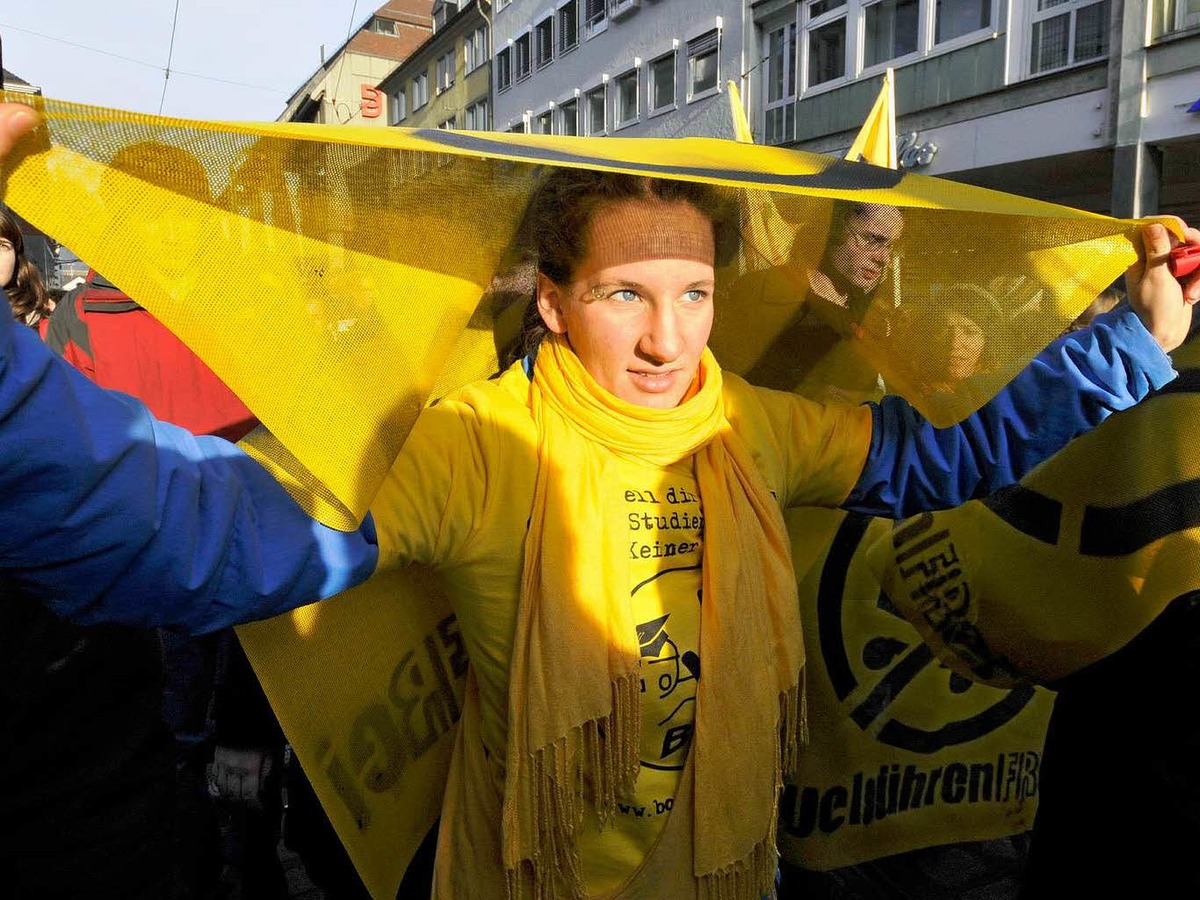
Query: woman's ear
x=550, y=301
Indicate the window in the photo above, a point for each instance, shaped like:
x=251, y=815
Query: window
x=703, y=64
x=543, y=42
x=1066, y=32
x=397, y=107
x=779, y=72
x=445, y=71
x=626, y=111
x=478, y=116
x=500, y=4
x=839, y=39
x=475, y=49
x=825, y=36
x=619, y=8
x=568, y=26
x=446, y=124
x=384, y=26
x=1173, y=15
x=954, y=18
x=517, y=127
x=594, y=17
x=890, y=31
x=544, y=123
x=595, y=103
x=442, y=12
x=420, y=90
x=521, y=58
x=662, y=83
x=504, y=69
x=568, y=117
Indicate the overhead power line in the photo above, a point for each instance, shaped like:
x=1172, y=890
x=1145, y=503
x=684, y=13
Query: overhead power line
x=170, y=55
x=342, y=71
x=142, y=62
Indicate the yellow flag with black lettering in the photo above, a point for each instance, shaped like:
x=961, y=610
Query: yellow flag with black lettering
x=1064, y=568
x=904, y=753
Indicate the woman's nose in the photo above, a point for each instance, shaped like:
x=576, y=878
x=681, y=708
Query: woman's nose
x=662, y=340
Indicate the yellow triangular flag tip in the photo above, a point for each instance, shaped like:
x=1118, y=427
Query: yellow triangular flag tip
x=876, y=140
x=741, y=125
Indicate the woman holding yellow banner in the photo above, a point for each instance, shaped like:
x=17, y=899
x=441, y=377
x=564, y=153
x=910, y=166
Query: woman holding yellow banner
x=566, y=504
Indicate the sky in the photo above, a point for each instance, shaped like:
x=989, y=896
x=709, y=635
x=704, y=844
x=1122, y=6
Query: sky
x=114, y=52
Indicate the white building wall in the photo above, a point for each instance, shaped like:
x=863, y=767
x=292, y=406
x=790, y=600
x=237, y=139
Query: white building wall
x=1048, y=124
x=633, y=36
x=1168, y=98
x=1068, y=125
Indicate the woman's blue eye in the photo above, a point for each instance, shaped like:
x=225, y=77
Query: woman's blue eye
x=625, y=295
x=695, y=296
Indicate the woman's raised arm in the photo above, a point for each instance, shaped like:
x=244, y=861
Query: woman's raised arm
x=112, y=516
x=1068, y=389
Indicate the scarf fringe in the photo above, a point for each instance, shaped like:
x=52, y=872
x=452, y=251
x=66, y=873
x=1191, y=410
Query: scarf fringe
x=600, y=757
x=793, y=724
x=753, y=877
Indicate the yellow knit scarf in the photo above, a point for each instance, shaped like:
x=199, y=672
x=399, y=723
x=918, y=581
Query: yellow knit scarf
x=574, y=709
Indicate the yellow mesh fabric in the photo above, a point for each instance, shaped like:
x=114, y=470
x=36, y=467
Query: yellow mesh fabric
x=337, y=278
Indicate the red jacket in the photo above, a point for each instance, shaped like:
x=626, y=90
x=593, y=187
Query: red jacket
x=117, y=344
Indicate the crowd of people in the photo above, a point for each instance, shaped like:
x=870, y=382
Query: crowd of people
x=614, y=401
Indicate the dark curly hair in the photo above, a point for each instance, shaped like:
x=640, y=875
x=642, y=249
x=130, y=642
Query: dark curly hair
x=555, y=228
x=26, y=292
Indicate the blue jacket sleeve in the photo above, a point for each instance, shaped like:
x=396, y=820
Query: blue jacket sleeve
x=1070, y=388
x=112, y=516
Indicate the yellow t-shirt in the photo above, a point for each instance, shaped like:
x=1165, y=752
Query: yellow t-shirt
x=661, y=511
x=459, y=499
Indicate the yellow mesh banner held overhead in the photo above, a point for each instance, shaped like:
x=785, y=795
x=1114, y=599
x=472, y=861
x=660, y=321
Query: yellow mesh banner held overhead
x=337, y=278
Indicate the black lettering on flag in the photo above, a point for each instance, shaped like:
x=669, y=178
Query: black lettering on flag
x=829, y=602
x=1121, y=530
x=892, y=684
x=920, y=740
x=1029, y=512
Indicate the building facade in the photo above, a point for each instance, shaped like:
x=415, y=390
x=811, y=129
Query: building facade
x=18, y=85
x=344, y=89
x=446, y=81
x=1090, y=103
x=637, y=68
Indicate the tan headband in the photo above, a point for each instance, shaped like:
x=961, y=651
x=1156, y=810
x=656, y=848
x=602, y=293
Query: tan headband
x=657, y=231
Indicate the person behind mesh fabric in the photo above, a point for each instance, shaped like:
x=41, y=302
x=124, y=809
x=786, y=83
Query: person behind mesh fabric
x=851, y=288
x=951, y=330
